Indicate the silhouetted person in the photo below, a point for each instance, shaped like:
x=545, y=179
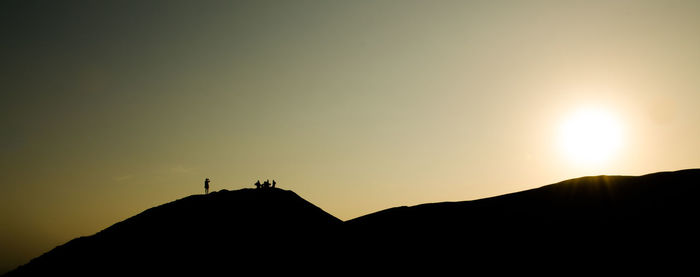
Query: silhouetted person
x=257, y=184
x=206, y=186
x=274, y=183
x=266, y=184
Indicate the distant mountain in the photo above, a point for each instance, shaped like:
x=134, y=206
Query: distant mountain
x=601, y=216
x=667, y=197
x=217, y=232
x=583, y=223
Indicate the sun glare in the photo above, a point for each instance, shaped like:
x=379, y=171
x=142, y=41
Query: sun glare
x=590, y=137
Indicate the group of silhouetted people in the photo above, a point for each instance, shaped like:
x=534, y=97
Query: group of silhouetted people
x=265, y=185
x=258, y=185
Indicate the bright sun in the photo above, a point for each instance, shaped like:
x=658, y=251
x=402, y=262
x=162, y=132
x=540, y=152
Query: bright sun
x=590, y=136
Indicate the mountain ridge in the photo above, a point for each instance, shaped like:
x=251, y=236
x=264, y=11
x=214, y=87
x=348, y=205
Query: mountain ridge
x=207, y=229
x=609, y=217
x=587, y=182
x=247, y=227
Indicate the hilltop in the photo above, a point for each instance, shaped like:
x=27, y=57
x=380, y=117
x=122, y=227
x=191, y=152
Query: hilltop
x=213, y=232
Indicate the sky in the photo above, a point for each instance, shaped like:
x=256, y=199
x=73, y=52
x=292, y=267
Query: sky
x=109, y=108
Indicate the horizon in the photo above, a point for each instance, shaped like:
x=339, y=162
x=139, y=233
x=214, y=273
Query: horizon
x=114, y=107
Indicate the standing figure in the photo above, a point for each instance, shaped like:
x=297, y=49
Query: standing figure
x=206, y=186
x=257, y=184
x=274, y=183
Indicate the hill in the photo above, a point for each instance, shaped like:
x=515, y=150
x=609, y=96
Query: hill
x=589, y=222
x=602, y=216
x=664, y=196
x=215, y=232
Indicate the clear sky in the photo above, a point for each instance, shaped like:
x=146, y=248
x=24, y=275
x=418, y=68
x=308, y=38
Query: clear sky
x=111, y=107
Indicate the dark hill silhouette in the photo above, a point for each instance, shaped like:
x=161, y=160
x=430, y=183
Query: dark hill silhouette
x=220, y=231
x=583, y=223
x=619, y=200
x=613, y=217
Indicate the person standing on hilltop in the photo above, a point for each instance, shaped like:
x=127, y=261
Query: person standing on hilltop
x=206, y=186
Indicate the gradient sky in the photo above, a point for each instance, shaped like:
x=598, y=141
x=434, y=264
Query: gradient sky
x=111, y=107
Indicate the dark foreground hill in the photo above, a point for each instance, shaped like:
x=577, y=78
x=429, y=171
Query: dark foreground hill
x=602, y=217
x=581, y=223
x=221, y=231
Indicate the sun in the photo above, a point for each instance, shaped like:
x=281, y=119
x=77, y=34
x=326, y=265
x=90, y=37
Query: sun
x=590, y=136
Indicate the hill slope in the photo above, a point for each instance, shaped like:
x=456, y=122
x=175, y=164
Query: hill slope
x=222, y=229
x=613, y=216
x=588, y=200
x=646, y=219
